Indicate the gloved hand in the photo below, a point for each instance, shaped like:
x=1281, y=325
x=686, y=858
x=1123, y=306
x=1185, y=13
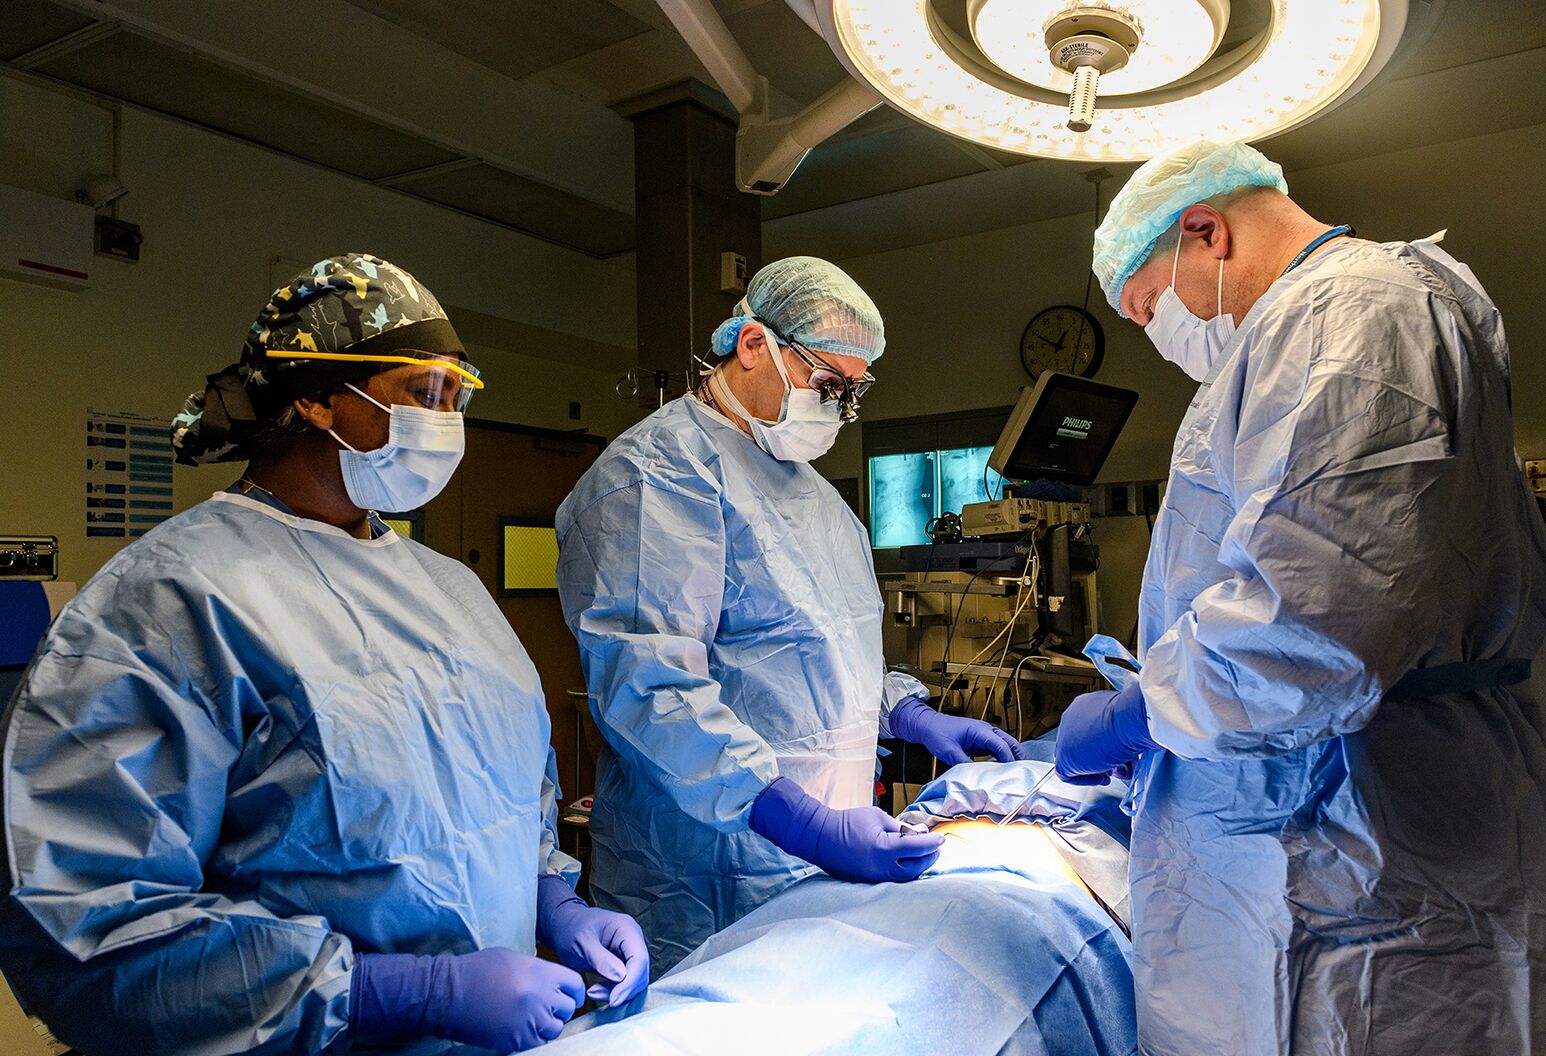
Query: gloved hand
x=593, y=940
x=862, y=844
x=494, y=998
x=1102, y=734
x=950, y=738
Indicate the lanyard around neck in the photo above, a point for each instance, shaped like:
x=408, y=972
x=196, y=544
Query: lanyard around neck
x=1316, y=243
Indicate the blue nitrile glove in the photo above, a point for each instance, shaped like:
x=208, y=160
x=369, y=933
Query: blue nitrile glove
x=950, y=738
x=1101, y=735
x=494, y=998
x=593, y=940
x=862, y=844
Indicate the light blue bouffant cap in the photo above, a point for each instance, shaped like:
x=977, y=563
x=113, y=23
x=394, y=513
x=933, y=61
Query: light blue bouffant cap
x=1161, y=190
x=812, y=302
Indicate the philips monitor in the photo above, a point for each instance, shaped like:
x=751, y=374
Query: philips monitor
x=1062, y=429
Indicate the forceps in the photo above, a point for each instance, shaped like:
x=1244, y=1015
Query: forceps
x=1007, y=818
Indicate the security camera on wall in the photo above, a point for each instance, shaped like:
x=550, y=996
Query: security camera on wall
x=114, y=237
x=99, y=192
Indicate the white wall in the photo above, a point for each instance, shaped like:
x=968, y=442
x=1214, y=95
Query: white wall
x=955, y=310
x=215, y=215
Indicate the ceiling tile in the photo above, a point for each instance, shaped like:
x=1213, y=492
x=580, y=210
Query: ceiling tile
x=783, y=49
x=29, y=24
x=160, y=77
x=530, y=206
x=862, y=167
x=513, y=37
x=1445, y=106
x=1466, y=31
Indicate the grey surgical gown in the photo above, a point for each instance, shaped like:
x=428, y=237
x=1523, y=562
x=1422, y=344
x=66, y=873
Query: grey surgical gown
x=1332, y=857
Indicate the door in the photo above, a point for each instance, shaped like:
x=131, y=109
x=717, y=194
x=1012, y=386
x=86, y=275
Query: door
x=518, y=473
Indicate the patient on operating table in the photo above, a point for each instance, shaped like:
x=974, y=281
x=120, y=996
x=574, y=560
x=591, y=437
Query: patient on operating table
x=1013, y=942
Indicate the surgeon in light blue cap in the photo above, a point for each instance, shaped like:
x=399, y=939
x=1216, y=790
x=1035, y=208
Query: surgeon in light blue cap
x=278, y=779
x=1335, y=746
x=728, y=618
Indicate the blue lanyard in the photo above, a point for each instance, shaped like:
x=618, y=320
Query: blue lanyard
x=1320, y=240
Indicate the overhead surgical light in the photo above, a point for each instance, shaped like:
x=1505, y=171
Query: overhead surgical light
x=1112, y=80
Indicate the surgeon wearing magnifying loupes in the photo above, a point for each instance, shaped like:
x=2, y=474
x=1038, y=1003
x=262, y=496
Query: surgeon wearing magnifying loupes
x=1338, y=765
x=728, y=617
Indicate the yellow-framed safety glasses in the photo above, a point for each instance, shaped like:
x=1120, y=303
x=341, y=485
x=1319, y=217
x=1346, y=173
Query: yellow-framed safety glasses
x=465, y=374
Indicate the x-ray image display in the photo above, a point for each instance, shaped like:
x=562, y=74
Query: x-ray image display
x=903, y=494
x=907, y=491
x=961, y=478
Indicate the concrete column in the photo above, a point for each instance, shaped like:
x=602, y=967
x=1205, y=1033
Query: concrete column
x=688, y=213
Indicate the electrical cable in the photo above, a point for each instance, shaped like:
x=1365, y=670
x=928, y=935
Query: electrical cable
x=944, y=660
x=1014, y=681
x=928, y=566
x=1084, y=312
x=1031, y=571
x=987, y=490
x=954, y=619
x=1009, y=626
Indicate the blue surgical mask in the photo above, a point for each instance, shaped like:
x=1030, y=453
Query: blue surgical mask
x=423, y=449
x=1191, y=343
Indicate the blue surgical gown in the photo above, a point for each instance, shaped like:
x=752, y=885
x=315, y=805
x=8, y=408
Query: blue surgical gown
x=1316, y=868
x=251, y=747
x=728, y=618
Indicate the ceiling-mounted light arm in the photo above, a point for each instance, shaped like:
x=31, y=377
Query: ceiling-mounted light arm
x=806, y=9
x=766, y=154
x=715, y=46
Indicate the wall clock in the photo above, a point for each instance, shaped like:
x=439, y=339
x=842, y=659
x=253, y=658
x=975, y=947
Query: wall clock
x=1062, y=338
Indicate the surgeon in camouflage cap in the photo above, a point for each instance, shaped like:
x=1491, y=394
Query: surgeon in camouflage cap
x=347, y=318
x=281, y=779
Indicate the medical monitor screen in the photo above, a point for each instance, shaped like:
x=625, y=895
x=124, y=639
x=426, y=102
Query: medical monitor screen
x=909, y=490
x=528, y=558
x=904, y=497
x=1062, y=429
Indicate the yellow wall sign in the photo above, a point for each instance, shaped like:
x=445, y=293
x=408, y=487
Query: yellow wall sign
x=528, y=558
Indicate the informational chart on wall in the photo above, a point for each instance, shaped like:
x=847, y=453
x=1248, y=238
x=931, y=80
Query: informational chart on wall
x=128, y=473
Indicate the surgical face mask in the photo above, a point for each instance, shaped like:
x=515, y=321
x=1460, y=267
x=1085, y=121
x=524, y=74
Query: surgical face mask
x=423, y=449
x=1181, y=337
x=806, y=428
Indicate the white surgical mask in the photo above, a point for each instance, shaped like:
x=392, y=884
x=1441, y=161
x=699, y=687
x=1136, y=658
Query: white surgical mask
x=806, y=428
x=1181, y=337
x=423, y=449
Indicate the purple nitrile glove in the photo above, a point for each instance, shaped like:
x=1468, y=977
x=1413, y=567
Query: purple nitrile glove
x=1101, y=735
x=950, y=738
x=861, y=844
x=494, y=998
x=593, y=940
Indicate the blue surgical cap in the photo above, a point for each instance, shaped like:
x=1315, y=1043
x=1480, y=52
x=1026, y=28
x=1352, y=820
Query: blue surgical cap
x=812, y=302
x=1161, y=190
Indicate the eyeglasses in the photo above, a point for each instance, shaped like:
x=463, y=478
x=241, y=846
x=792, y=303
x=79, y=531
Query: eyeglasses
x=426, y=391
x=833, y=384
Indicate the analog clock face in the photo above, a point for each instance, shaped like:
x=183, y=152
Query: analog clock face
x=1062, y=338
